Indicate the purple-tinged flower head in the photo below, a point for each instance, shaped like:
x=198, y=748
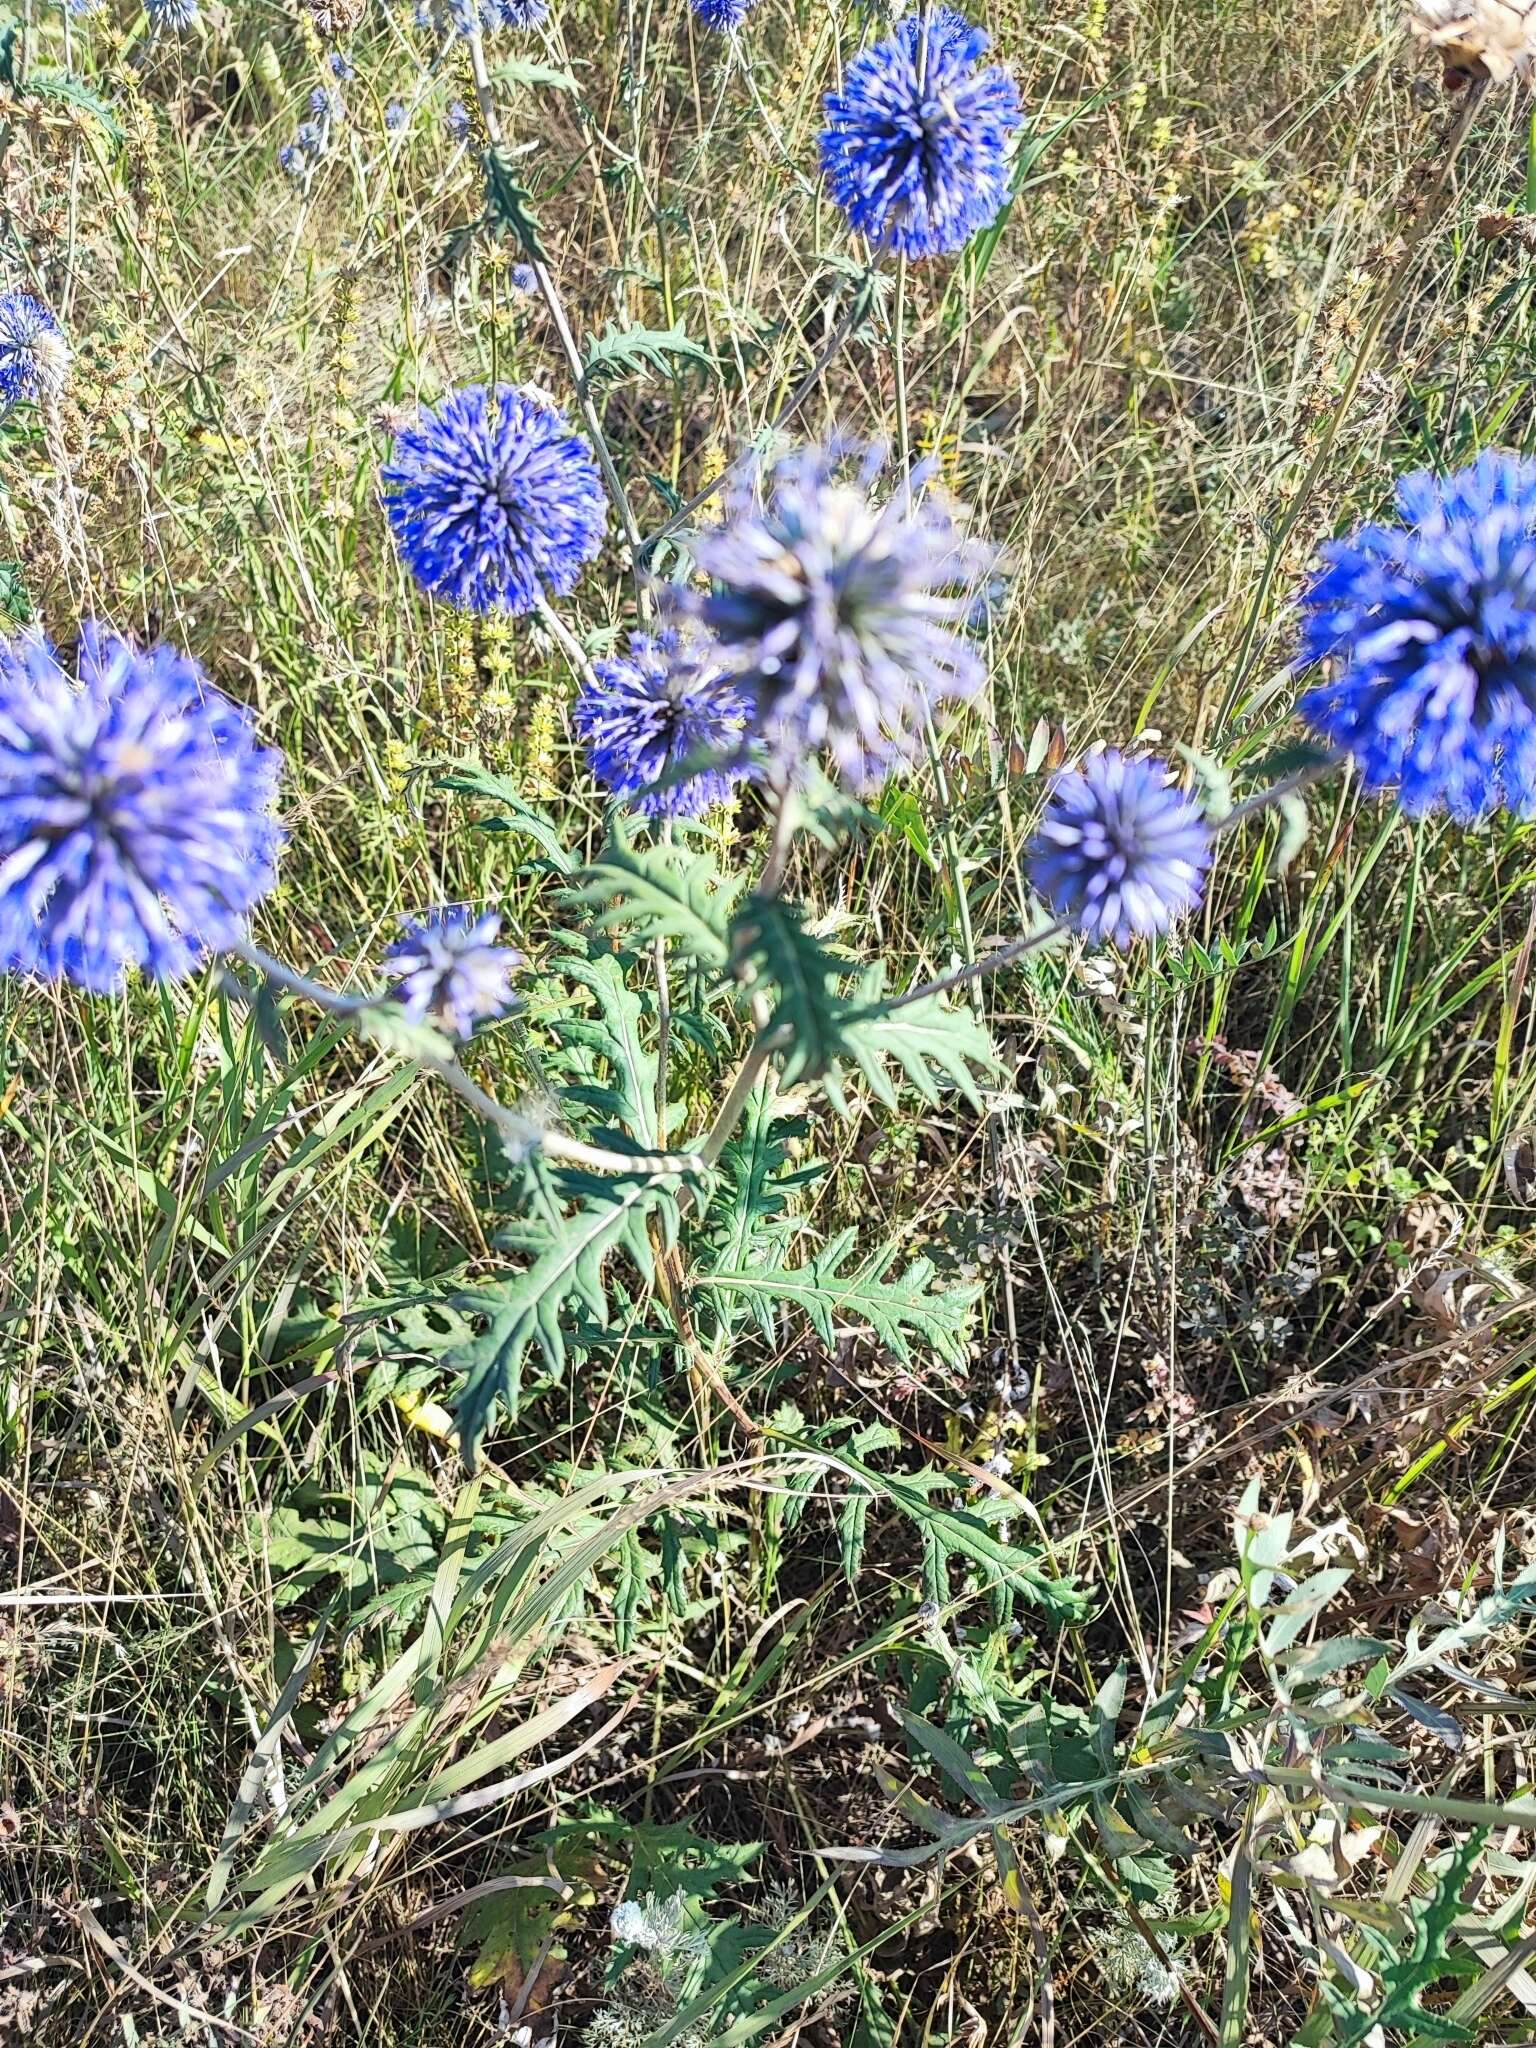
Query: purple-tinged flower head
x=514, y=13
x=396, y=114
x=839, y=614
x=525, y=279
x=1427, y=637
x=136, y=825
x=326, y=104
x=494, y=500
x=459, y=123
x=723, y=14
x=293, y=160
x=34, y=356
x=310, y=139
x=1121, y=851
x=915, y=150
x=667, y=701
x=449, y=970
x=342, y=67
x=170, y=17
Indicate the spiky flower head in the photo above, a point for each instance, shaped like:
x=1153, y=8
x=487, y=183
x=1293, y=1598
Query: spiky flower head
x=1492, y=39
x=643, y=715
x=170, y=17
x=396, y=114
x=136, y=825
x=839, y=613
x=1121, y=852
x=723, y=14
x=458, y=121
x=34, y=356
x=915, y=150
x=494, y=500
x=449, y=970
x=1427, y=634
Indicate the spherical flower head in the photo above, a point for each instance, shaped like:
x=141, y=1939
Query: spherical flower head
x=839, y=614
x=136, y=825
x=642, y=717
x=450, y=971
x=341, y=67
x=915, y=150
x=326, y=104
x=34, y=356
x=170, y=17
x=1121, y=852
x=459, y=123
x=1427, y=632
x=494, y=500
x=396, y=114
x=723, y=14
x=293, y=160
x=309, y=138
x=514, y=13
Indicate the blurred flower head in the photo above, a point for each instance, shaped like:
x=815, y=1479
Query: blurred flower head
x=34, y=356
x=494, y=500
x=643, y=716
x=840, y=614
x=396, y=114
x=459, y=123
x=723, y=14
x=915, y=149
x=1427, y=637
x=136, y=825
x=1120, y=853
x=170, y=17
x=1493, y=39
x=449, y=970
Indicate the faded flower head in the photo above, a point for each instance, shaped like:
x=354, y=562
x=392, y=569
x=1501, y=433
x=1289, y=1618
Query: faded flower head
x=34, y=356
x=458, y=121
x=1428, y=633
x=494, y=500
x=1133, y=1967
x=915, y=150
x=1493, y=39
x=840, y=614
x=136, y=825
x=449, y=970
x=1121, y=853
x=396, y=115
x=662, y=1928
x=648, y=712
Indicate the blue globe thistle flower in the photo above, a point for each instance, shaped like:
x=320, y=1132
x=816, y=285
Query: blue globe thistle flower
x=170, y=17
x=667, y=701
x=723, y=14
x=450, y=971
x=459, y=123
x=1120, y=852
x=525, y=280
x=514, y=13
x=325, y=103
x=494, y=500
x=396, y=114
x=34, y=356
x=1428, y=634
x=915, y=150
x=136, y=825
x=342, y=67
x=310, y=139
x=293, y=160
x=839, y=614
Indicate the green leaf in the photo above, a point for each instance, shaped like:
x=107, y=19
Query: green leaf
x=471, y=779
x=614, y=1036
x=629, y=351
x=509, y=203
x=15, y=602
x=749, y=1211
x=900, y=1310
x=529, y=71
x=1429, y=1958
x=661, y=892
x=770, y=936
x=387, y=1026
x=58, y=85
x=527, y=1307
x=932, y=1041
